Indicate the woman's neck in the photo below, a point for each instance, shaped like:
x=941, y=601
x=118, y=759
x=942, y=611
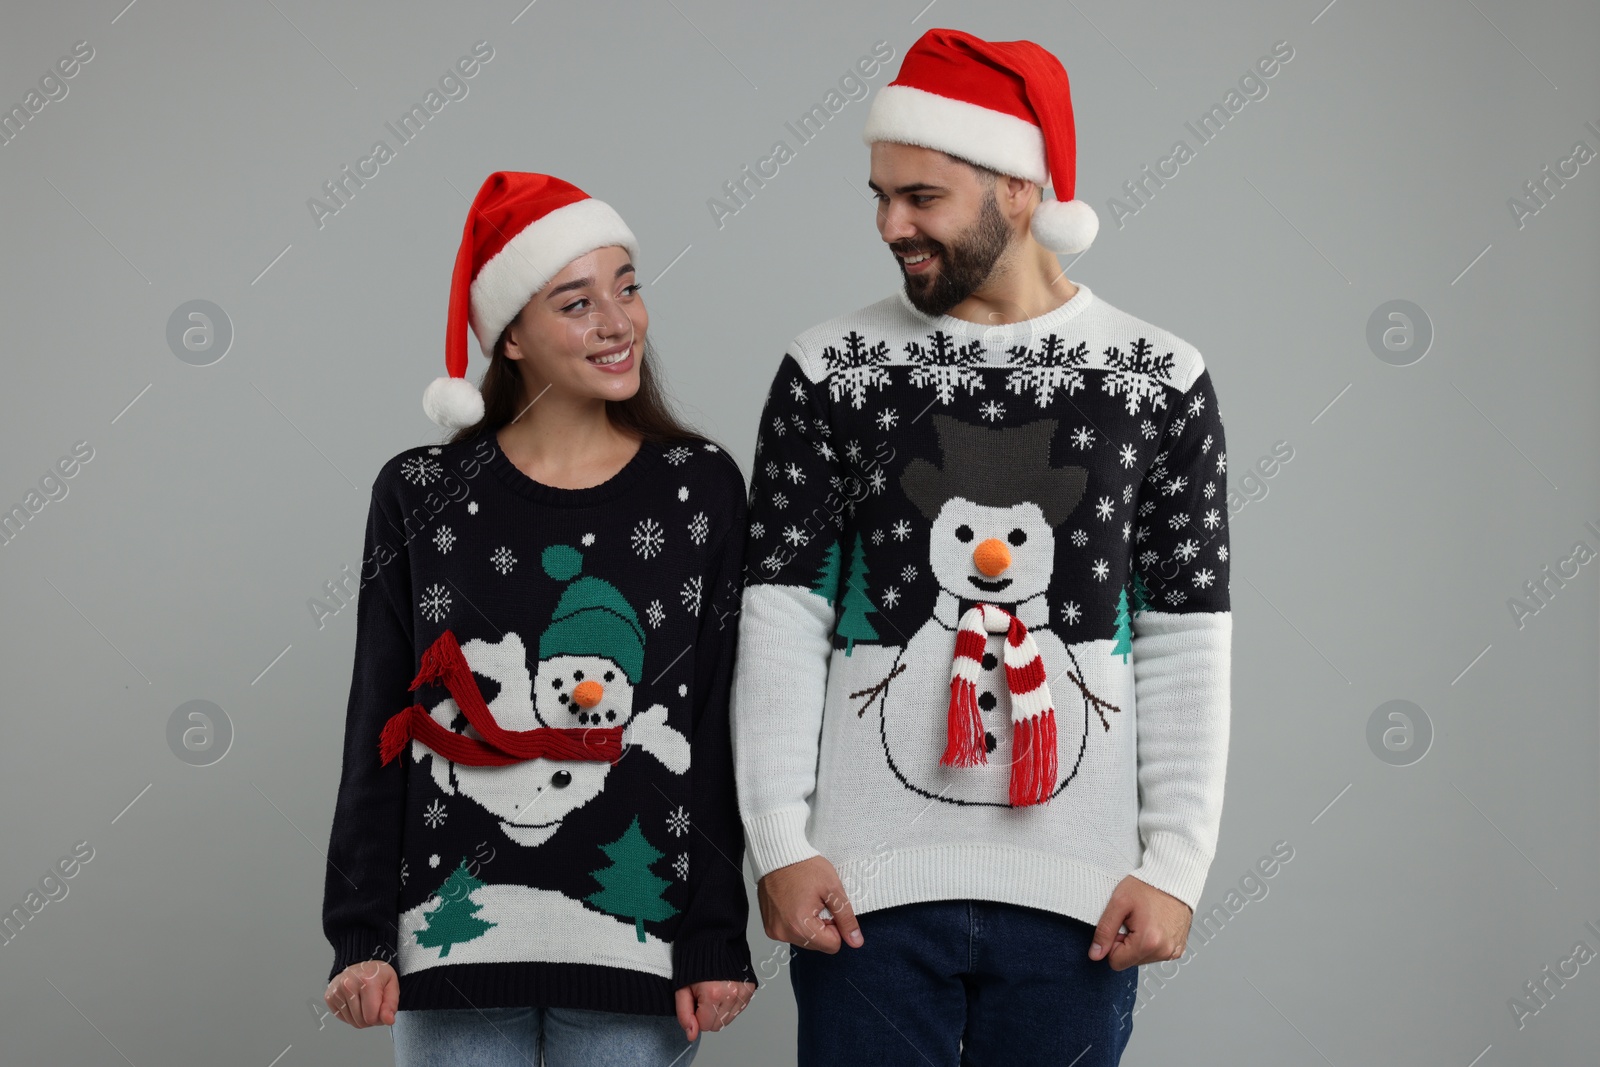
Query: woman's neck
x=567, y=444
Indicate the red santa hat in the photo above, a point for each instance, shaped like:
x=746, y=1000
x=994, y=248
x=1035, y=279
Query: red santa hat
x=1005, y=105
x=521, y=230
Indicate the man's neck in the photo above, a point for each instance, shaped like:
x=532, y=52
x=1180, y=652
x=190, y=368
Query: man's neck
x=1016, y=292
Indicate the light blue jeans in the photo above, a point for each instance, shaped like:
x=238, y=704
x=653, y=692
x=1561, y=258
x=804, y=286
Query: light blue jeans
x=531, y=1037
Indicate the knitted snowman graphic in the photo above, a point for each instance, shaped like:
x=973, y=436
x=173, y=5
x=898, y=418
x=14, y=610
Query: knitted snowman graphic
x=1016, y=725
x=590, y=658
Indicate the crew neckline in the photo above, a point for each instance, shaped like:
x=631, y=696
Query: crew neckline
x=997, y=339
x=520, y=483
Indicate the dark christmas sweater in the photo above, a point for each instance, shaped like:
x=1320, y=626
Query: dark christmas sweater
x=1069, y=472
x=537, y=801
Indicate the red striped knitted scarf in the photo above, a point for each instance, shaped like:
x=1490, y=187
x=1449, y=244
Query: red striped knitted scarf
x=1033, y=718
x=444, y=663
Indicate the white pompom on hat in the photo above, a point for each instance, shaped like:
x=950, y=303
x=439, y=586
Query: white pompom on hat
x=1005, y=105
x=521, y=231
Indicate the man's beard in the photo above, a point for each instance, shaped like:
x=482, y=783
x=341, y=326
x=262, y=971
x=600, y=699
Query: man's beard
x=963, y=264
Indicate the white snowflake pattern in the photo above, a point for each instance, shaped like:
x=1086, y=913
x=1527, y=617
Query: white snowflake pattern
x=852, y=451
x=655, y=614
x=1136, y=375
x=647, y=538
x=1211, y=519
x=1222, y=462
x=796, y=536
x=1175, y=427
x=1053, y=368
x=680, y=866
x=420, y=470
x=908, y=573
x=1197, y=404
x=433, y=860
x=887, y=418
x=1187, y=550
x=1146, y=508
x=772, y=469
x=1140, y=534
x=797, y=390
x=1147, y=428
x=434, y=815
x=825, y=450
x=678, y=822
x=1105, y=508
x=945, y=365
x=1129, y=456
x=758, y=530
x=690, y=595
x=1177, y=485
x=1209, y=491
x=1222, y=553
x=435, y=450
x=877, y=481
x=992, y=410
x=855, y=369
x=773, y=563
x=405, y=871
x=1203, y=578
x=891, y=596
x=1101, y=570
x=1148, y=557
x=1205, y=446
x=795, y=474
x=683, y=492
x=699, y=526
x=1178, y=520
x=444, y=538
x=587, y=539
x=1083, y=437
x=901, y=530
x=1127, y=528
x=1079, y=538
x=435, y=602
x=779, y=500
x=1127, y=494
x=1071, y=612
x=502, y=559
x=472, y=507
x=678, y=455
x=877, y=537
x=1175, y=596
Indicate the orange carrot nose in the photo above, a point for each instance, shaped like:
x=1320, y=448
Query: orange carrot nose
x=992, y=556
x=588, y=693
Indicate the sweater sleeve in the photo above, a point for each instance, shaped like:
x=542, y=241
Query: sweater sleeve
x=1182, y=646
x=710, y=944
x=360, y=909
x=797, y=513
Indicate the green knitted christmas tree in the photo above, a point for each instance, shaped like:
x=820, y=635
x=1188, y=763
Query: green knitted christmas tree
x=629, y=890
x=1124, y=643
x=826, y=583
x=853, y=625
x=456, y=918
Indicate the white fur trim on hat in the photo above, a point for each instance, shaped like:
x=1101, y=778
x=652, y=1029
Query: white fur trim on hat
x=535, y=255
x=990, y=138
x=1068, y=228
x=452, y=402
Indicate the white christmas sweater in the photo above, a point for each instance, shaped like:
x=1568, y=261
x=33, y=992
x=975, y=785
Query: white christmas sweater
x=1069, y=469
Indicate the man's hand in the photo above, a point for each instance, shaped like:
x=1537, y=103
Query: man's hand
x=1157, y=922
x=711, y=1005
x=792, y=899
x=364, y=994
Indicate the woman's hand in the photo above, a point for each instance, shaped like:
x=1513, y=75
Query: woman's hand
x=366, y=994
x=711, y=1005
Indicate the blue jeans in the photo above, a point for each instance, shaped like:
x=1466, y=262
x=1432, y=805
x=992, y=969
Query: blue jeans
x=963, y=982
x=528, y=1037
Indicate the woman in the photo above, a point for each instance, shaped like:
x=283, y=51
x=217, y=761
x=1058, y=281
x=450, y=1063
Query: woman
x=536, y=845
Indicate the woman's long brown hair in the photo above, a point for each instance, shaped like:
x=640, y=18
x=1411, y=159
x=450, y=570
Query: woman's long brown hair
x=648, y=412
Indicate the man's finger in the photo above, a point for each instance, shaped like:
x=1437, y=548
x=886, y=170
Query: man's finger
x=391, y=1002
x=1105, y=934
x=844, y=917
x=371, y=1001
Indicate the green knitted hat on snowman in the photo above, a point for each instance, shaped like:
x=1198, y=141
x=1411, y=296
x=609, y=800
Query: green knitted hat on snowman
x=592, y=618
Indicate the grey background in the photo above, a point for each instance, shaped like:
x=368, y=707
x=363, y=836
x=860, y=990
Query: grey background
x=1376, y=566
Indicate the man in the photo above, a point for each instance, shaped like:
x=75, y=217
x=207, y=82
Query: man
x=981, y=706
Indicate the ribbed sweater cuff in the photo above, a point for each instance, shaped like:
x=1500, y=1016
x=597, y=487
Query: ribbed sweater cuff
x=778, y=839
x=711, y=959
x=358, y=946
x=1174, y=865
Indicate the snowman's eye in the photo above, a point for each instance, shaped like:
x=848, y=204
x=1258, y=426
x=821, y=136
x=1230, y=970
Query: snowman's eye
x=577, y=676
x=963, y=532
x=611, y=675
x=561, y=779
x=555, y=683
x=1018, y=536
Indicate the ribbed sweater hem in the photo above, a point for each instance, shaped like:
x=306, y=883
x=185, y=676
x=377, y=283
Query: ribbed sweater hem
x=969, y=871
x=549, y=985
